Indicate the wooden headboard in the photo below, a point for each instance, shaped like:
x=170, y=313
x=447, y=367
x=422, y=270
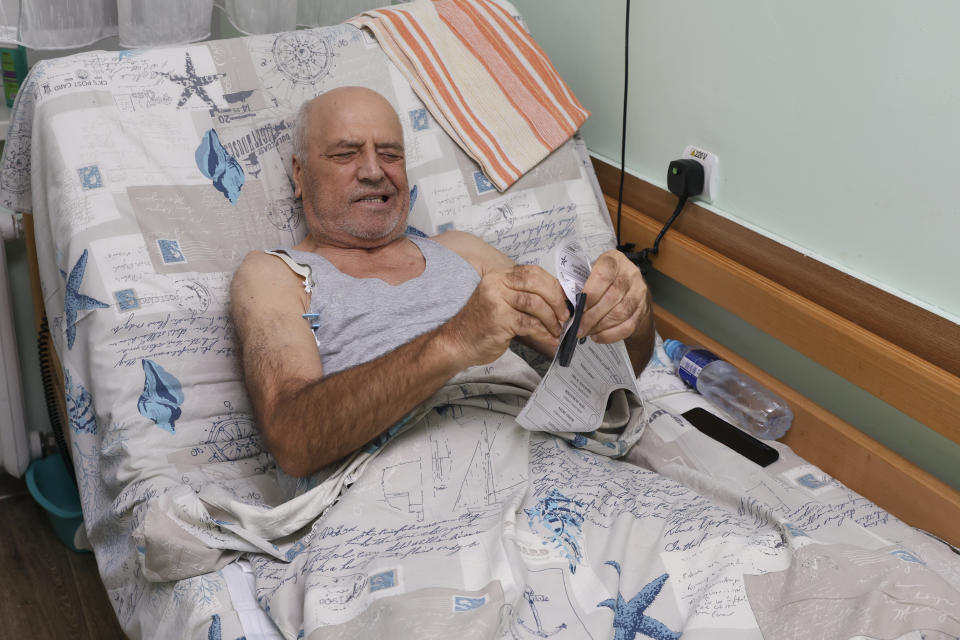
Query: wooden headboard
x=897, y=352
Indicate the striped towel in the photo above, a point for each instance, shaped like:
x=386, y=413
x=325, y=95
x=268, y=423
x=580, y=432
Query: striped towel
x=483, y=78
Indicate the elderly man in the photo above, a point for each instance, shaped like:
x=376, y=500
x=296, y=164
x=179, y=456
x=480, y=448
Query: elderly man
x=394, y=316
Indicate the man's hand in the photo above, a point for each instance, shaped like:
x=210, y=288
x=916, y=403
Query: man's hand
x=618, y=307
x=522, y=301
x=616, y=299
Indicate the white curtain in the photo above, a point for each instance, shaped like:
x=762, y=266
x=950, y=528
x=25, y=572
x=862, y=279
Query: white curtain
x=69, y=24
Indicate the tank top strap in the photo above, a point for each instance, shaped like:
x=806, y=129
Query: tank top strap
x=302, y=270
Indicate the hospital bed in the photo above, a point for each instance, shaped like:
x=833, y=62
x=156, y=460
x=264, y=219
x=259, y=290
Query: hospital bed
x=145, y=176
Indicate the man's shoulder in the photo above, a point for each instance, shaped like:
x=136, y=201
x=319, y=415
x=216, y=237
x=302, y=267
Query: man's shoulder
x=256, y=262
x=454, y=237
x=483, y=256
x=464, y=243
x=260, y=269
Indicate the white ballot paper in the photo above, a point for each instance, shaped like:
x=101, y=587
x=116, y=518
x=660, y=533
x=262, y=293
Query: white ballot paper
x=574, y=398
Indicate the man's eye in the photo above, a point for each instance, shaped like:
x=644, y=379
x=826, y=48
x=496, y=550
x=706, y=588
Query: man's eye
x=344, y=155
x=389, y=156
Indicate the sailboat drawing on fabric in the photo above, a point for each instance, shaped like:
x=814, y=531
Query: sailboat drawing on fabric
x=629, y=619
x=74, y=301
x=161, y=397
x=564, y=518
x=216, y=163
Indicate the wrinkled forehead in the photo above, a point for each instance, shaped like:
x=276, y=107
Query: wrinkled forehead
x=355, y=114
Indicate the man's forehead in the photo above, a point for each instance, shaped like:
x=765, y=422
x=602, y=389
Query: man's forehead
x=344, y=126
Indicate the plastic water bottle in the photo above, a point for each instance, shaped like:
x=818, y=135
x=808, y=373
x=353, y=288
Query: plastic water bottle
x=752, y=407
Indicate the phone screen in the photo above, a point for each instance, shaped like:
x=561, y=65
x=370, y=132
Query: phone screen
x=734, y=437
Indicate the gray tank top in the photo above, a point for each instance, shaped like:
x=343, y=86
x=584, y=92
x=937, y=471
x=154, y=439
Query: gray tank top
x=360, y=319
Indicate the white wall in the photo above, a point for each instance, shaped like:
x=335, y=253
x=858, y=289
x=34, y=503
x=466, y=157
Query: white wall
x=837, y=123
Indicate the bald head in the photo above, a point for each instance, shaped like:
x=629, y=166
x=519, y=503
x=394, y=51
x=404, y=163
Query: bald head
x=314, y=112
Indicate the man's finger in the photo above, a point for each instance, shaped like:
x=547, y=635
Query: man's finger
x=614, y=334
x=626, y=310
x=535, y=280
x=616, y=294
x=602, y=274
x=531, y=326
x=535, y=307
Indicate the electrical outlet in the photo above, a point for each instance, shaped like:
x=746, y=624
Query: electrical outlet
x=711, y=170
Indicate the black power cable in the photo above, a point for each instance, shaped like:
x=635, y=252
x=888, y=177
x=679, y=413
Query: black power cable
x=643, y=258
x=684, y=177
x=623, y=128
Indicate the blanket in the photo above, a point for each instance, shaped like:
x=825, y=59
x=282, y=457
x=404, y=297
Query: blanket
x=462, y=523
x=484, y=80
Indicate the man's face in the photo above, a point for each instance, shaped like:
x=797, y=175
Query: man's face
x=353, y=180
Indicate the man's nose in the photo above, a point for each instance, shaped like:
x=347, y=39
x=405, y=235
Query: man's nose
x=369, y=169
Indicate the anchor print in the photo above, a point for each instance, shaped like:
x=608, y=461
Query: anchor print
x=533, y=598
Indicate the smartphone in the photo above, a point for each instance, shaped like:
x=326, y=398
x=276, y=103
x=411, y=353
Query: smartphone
x=734, y=437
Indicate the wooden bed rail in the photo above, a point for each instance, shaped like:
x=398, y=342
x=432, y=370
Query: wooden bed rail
x=908, y=382
x=911, y=384
x=855, y=459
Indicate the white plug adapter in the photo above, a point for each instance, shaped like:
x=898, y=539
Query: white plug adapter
x=711, y=170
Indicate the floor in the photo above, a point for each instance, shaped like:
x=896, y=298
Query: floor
x=46, y=590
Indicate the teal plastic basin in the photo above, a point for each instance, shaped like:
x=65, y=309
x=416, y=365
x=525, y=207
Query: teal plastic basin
x=50, y=485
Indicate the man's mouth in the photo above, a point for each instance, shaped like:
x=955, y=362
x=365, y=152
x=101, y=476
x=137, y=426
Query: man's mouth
x=374, y=199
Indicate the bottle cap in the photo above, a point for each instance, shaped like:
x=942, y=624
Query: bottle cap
x=673, y=347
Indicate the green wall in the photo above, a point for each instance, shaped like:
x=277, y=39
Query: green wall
x=833, y=123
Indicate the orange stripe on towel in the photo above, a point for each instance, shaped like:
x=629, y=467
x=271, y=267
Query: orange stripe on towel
x=451, y=98
x=510, y=43
x=521, y=93
x=534, y=56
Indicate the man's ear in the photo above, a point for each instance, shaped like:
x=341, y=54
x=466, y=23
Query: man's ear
x=297, y=177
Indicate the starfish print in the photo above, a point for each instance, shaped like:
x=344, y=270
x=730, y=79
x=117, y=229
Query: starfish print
x=193, y=84
x=74, y=301
x=628, y=617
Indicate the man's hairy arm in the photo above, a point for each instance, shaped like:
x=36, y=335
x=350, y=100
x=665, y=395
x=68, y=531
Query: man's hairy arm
x=308, y=419
x=310, y=423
